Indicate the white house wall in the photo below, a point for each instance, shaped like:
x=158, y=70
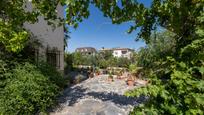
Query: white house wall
x=118, y=53
x=47, y=35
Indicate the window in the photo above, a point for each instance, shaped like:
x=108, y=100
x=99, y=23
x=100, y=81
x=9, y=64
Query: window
x=124, y=52
x=53, y=58
x=36, y=55
x=31, y=53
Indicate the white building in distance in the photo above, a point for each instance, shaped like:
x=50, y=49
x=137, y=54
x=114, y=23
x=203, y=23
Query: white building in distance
x=120, y=52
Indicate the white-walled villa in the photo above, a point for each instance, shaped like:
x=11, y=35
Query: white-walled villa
x=119, y=52
x=122, y=52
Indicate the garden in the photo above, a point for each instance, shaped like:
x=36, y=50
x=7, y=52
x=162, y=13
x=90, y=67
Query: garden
x=172, y=61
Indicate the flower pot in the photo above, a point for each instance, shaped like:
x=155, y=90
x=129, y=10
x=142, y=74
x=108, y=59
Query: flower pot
x=96, y=74
x=91, y=75
x=110, y=79
x=130, y=82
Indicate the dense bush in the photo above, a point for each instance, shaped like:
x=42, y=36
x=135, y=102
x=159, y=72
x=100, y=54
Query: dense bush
x=123, y=62
x=103, y=64
x=68, y=63
x=24, y=89
x=160, y=45
x=52, y=74
x=175, y=83
x=180, y=91
x=78, y=59
x=176, y=80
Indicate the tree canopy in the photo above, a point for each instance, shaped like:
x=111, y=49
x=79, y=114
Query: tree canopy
x=180, y=17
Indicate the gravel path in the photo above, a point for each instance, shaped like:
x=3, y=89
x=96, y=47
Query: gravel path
x=97, y=96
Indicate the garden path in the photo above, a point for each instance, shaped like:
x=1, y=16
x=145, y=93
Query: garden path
x=97, y=96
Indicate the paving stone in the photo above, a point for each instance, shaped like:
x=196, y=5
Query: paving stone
x=97, y=96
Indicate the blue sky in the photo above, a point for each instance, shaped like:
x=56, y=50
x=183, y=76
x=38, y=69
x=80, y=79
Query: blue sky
x=97, y=31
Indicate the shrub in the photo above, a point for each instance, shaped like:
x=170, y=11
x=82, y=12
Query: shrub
x=68, y=63
x=156, y=51
x=25, y=90
x=181, y=93
x=50, y=72
x=175, y=84
x=132, y=68
x=103, y=64
x=123, y=62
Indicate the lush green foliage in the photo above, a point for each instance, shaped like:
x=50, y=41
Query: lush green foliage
x=25, y=89
x=52, y=74
x=179, y=91
x=151, y=57
x=176, y=77
x=123, y=62
x=176, y=87
x=68, y=63
x=160, y=45
x=77, y=59
x=101, y=60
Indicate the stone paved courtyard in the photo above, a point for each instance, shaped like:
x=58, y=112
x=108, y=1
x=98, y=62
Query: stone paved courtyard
x=97, y=96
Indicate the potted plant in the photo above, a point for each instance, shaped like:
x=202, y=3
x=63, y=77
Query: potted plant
x=91, y=75
x=110, y=77
x=97, y=72
x=130, y=81
x=119, y=75
x=134, y=70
